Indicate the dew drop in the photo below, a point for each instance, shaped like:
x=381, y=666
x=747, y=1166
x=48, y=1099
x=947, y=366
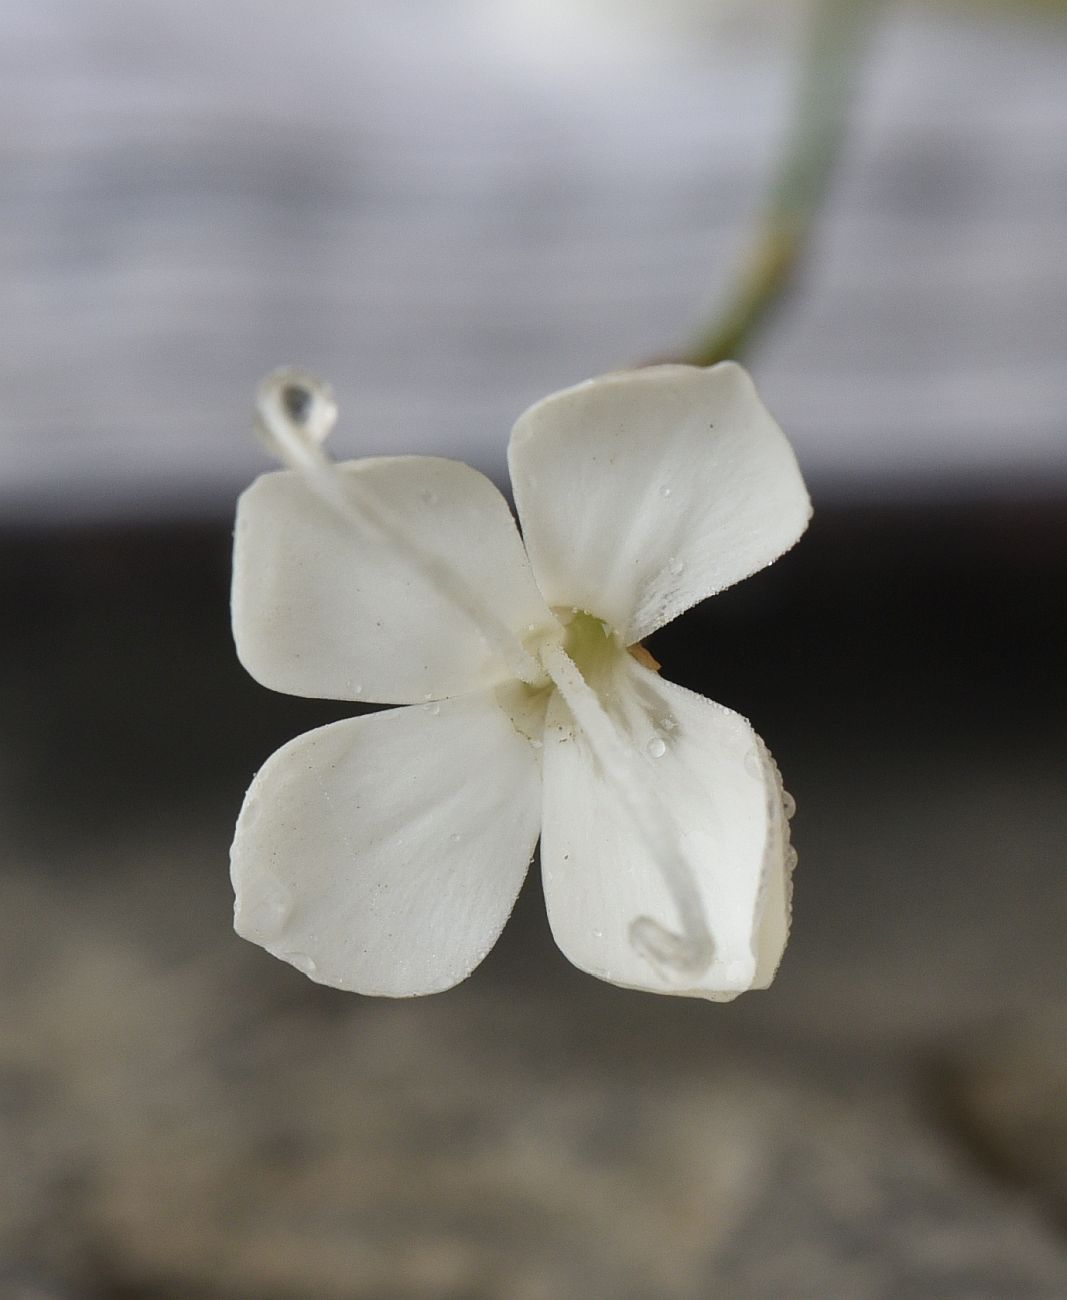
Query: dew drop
x=454, y=837
x=537, y=744
x=656, y=747
x=297, y=402
x=791, y=858
x=358, y=688
x=293, y=407
x=665, y=492
x=302, y=962
x=789, y=804
x=669, y=723
x=675, y=567
x=598, y=934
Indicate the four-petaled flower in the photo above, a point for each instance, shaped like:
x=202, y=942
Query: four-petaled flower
x=383, y=853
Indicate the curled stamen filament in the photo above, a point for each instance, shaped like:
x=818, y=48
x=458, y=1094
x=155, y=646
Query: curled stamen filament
x=295, y=413
x=690, y=952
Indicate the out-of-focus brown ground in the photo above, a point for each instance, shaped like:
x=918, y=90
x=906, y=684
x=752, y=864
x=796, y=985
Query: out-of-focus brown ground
x=183, y=1118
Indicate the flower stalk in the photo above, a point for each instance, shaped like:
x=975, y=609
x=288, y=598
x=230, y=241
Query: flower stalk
x=833, y=53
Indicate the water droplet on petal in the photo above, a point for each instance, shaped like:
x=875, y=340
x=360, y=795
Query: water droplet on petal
x=537, y=744
x=669, y=723
x=298, y=402
x=656, y=747
x=789, y=804
x=454, y=837
x=303, y=962
x=293, y=409
x=357, y=688
x=665, y=491
x=675, y=567
x=791, y=858
x=598, y=934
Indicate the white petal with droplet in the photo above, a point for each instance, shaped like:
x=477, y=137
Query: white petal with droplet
x=326, y=608
x=645, y=491
x=603, y=887
x=383, y=854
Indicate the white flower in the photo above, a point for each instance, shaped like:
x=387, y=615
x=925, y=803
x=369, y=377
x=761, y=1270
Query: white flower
x=383, y=853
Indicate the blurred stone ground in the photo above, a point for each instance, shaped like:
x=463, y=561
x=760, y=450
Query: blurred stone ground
x=183, y=1118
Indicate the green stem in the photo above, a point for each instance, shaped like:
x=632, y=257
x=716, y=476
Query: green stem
x=824, y=93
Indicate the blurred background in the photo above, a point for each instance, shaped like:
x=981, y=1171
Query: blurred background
x=450, y=210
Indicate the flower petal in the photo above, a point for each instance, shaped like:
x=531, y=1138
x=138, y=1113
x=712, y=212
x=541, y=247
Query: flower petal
x=611, y=903
x=323, y=606
x=383, y=853
x=643, y=492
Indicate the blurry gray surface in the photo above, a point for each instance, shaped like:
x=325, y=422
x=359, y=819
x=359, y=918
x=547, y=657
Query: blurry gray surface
x=449, y=219
x=186, y=1119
